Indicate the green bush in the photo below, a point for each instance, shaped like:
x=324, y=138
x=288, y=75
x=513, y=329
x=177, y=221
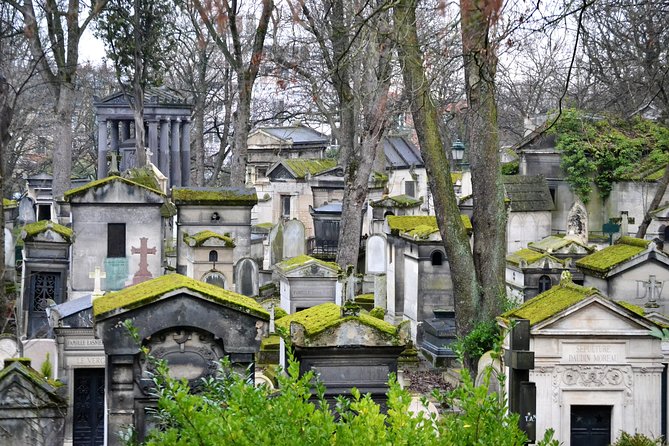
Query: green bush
x=637, y=439
x=481, y=339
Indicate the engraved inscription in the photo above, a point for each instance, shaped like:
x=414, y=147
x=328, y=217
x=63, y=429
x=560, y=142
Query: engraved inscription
x=85, y=361
x=593, y=353
x=78, y=343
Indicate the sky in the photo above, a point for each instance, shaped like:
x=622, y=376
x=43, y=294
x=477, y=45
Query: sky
x=91, y=49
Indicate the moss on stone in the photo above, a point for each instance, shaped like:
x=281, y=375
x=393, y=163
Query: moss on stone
x=317, y=319
x=301, y=260
x=633, y=308
x=97, y=183
x=301, y=167
x=379, y=177
x=31, y=230
x=365, y=298
x=525, y=254
x=422, y=223
x=611, y=256
x=199, y=238
x=144, y=176
x=456, y=176
x=219, y=196
x=267, y=225
x=550, y=303
x=397, y=201
x=271, y=342
x=554, y=243
x=9, y=204
x=168, y=209
x=279, y=313
x=151, y=290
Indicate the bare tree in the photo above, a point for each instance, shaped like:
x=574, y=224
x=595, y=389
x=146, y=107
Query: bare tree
x=225, y=21
x=54, y=30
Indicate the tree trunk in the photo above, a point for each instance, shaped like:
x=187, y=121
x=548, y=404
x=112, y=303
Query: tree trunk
x=489, y=213
x=242, y=119
x=466, y=290
x=6, y=115
x=62, y=154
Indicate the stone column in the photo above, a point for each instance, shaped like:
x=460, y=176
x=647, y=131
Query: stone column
x=380, y=299
x=185, y=154
x=153, y=141
x=120, y=396
x=175, y=160
x=102, y=147
x=114, y=143
x=164, y=155
x=124, y=130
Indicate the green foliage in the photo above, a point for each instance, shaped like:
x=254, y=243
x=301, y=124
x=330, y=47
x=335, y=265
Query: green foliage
x=637, y=439
x=660, y=333
x=144, y=176
x=510, y=168
x=378, y=312
x=606, y=150
x=47, y=368
x=481, y=339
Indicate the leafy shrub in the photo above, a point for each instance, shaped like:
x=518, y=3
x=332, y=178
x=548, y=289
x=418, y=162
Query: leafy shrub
x=481, y=339
x=637, y=439
x=510, y=168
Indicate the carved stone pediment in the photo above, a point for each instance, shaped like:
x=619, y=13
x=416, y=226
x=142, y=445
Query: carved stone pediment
x=595, y=377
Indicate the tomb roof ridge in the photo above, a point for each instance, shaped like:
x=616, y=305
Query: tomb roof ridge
x=551, y=302
x=110, y=179
x=554, y=242
x=31, y=230
x=227, y=196
x=199, y=238
x=530, y=256
x=9, y=204
x=300, y=167
x=23, y=367
x=399, y=201
x=319, y=318
x=407, y=223
x=602, y=261
x=303, y=259
x=149, y=291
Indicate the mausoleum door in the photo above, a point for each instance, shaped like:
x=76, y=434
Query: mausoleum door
x=590, y=425
x=44, y=286
x=88, y=412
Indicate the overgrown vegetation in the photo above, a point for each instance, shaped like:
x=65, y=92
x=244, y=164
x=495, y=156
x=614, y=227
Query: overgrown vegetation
x=637, y=439
x=480, y=340
x=602, y=150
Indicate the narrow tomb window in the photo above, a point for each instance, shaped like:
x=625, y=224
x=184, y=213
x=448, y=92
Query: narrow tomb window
x=545, y=284
x=116, y=240
x=437, y=258
x=213, y=256
x=285, y=206
x=410, y=188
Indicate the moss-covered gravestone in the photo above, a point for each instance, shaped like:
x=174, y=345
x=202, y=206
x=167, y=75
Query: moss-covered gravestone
x=346, y=348
x=188, y=323
x=32, y=410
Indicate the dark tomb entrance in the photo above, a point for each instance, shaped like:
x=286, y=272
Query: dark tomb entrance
x=89, y=400
x=44, y=286
x=591, y=425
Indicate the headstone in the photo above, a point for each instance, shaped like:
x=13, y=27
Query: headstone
x=276, y=244
x=376, y=255
x=294, y=243
x=9, y=348
x=10, y=261
x=246, y=273
x=96, y=276
x=143, y=272
x=26, y=211
x=577, y=222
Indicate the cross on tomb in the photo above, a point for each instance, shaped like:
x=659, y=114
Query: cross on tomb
x=143, y=273
x=544, y=283
x=149, y=154
x=113, y=164
x=653, y=290
x=96, y=276
x=522, y=392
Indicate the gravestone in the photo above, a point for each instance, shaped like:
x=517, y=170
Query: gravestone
x=577, y=222
x=305, y=281
x=9, y=348
x=246, y=277
x=276, y=244
x=293, y=239
x=32, y=410
x=376, y=255
x=143, y=272
x=26, y=211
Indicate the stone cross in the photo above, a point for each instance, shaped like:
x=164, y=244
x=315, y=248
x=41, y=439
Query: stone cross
x=96, y=276
x=653, y=290
x=522, y=392
x=149, y=153
x=113, y=164
x=143, y=272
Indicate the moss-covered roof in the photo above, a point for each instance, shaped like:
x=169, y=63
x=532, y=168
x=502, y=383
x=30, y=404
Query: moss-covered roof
x=525, y=254
x=199, y=238
x=419, y=226
x=22, y=365
x=397, y=201
x=608, y=258
x=8, y=204
x=553, y=243
x=230, y=196
x=31, y=230
x=551, y=302
x=151, y=290
x=300, y=167
x=633, y=308
x=317, y=319
x=301, y=260
x=97, y=183
x=456, y=176
x=367, y=297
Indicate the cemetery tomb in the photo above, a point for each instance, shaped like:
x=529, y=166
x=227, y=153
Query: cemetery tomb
x=209, y=257
x=345, y=347
x=530, y=272
x=188, y=323
x=305, y=281
x=597, y=368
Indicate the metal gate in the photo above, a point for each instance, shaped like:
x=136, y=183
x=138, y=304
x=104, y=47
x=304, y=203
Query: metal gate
x=89, y=402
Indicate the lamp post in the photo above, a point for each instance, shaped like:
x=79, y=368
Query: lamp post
x=457, y=153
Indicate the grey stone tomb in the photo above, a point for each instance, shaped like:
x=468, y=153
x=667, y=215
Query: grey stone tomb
x=293, y=239
x=376, y=254
x=246, y=277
